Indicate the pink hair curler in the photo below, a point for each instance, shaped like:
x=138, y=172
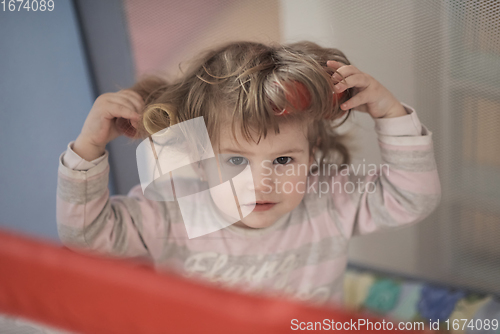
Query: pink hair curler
x=302, y=100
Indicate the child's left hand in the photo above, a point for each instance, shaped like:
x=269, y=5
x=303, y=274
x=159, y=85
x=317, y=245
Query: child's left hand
x=370, y=96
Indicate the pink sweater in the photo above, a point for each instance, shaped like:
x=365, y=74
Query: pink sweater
x=303, y=255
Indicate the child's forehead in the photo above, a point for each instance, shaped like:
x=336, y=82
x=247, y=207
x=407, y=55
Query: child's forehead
x=291, y=134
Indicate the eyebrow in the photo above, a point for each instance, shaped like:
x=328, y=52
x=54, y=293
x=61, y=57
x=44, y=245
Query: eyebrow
x=293, y=150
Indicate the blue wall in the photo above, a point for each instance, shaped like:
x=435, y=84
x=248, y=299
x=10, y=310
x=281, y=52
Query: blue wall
x=45, y=96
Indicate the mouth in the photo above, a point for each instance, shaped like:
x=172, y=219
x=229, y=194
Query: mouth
x=261, y=206
x=259, y=203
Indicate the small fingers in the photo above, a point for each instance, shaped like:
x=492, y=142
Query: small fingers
x=123, y=100
x=359, y=80
x=123, y=108
x=134, y=123
x=135, y=98
x=343, y=73
x=357, y=100
x=334, y=64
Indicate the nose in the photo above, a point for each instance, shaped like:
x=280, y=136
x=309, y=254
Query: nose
x=262, y=179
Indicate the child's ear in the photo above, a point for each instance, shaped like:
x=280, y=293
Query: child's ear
x=315, y=149
x=312, y=156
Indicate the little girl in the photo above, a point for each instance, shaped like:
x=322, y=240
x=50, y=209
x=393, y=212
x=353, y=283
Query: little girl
x=270, y=110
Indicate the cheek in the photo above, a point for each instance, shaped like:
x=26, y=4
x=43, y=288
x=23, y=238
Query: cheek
x=300, y=183
x=291, y=199
x=211, y=174
x=294, y=186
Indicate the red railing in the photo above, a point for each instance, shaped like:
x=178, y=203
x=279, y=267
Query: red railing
x=86, y=293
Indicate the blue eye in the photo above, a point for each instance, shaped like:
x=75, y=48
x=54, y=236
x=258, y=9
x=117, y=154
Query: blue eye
x=236, y=160
x=283, y=161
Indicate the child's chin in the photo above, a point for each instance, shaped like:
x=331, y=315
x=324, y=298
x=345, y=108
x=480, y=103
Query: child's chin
x=257, y=223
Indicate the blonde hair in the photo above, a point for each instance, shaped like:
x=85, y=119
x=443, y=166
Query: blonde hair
x=245, y=82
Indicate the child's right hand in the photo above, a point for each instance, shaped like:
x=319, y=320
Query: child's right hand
x=100, y=127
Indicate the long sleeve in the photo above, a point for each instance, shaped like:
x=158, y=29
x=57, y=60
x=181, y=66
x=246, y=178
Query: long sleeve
x=73, y=161
x=87, y=217
x=403, y=190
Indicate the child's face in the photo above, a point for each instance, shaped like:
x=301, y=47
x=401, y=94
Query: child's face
x=279, y=165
